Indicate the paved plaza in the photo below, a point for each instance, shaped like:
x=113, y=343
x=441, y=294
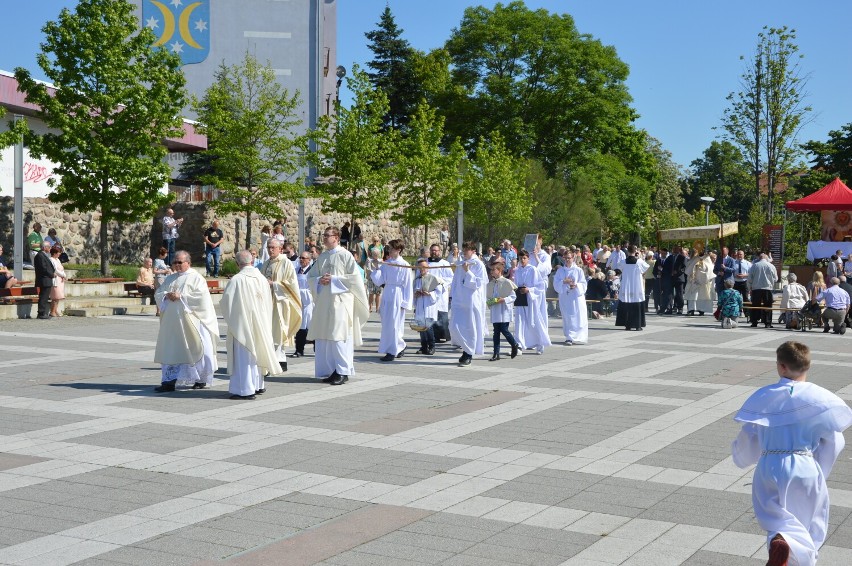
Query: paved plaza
x=616, y=452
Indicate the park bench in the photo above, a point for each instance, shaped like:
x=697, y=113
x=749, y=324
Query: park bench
x=97, y=280
x=131, y=290
x=19, y=296
x=214, y=288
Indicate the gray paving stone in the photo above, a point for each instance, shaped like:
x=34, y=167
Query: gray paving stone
x=706, y=558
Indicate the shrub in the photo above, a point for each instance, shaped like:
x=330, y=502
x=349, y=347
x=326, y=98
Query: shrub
x=228, y=268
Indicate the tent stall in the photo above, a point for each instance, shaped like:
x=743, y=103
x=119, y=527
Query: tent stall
x=835, y=196
x=691, y=233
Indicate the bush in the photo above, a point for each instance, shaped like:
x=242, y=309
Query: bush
x=228, y=268
x=126, y=272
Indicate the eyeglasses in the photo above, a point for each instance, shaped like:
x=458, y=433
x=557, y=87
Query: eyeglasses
x=178, y=262
x=304, y=258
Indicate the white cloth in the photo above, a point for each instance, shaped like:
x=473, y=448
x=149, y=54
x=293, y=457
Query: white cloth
x=819, y=249
x=426, y=306
x=246, y=377
x=286, y=314
x=467, y=319
x=340, y=311
x=530, y=326
x=789, y=491
x=397, y=297
x=445, y=275
x=794, y=296
x=247, y=309
x=305, y=295
x=505, y=289
x=632, y=288
x=699, y=286
x=572, y=303
x=541, y=261
x=263, y=256
x=188, y=330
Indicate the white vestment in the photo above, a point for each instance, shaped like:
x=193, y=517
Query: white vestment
x=793, y=431
x=340, y=311
x=286, y=303
x=247, y=309
x=632, y=289
x=572, y=303
x=188, y=330
x=426, y=306
x=699, y=285
x=467, y=319
x=305, y=295
x=445, y=276
x=501, y=288
x=397, y=297
x=531, y=321
x=541, y=261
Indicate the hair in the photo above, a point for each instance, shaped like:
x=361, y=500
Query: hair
x=795, y=355
x=397, y=245
x=162, y=251
x=818, y=277
x=791, y=277
x=334, y=230
x=51, y=232
x=469, y=245
x=266, y=229
x=599, y=275
x=523, y=253
x=183, y=255
x=835, y=281
x=729, y=283
x=423, y=261
x=55, y=250
x=631, y=249
x=37, y=227
x=275, y=242
x=244, y=258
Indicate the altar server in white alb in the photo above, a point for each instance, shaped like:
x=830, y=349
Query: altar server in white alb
x=286, y=302
x=305, y=263
x=631, y=293
x=501, y=296
x=340, y=310
x=793, y=431
x=186, y=342
x=397, y=298
x=570, y=283
x=467, y=311
x=440, y=268
x=530, y=318
x=247, y=309
x=540, y=259
x=426, y=306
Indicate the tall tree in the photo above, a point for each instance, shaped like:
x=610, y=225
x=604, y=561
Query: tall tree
x=668, y=192
x=392, y=70
x=428, y=179
x=563, y=212
x=555, y=95
x=117, y=99
x=722, y=173
x=496, y=194
x=767, y=113
x=835, y=155
x=256, y=153
x=355, y=154
x=13, y=134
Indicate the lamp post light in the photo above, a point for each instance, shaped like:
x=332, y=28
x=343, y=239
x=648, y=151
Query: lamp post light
x=707, y=201
x=341, y=72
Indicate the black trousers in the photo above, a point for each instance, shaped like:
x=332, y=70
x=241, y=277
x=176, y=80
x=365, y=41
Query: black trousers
x=44, y=300
x=301, y=340
x=427, y=337
x=761, y=298
x=666, y=294
x=502, y=328
x=678, y=295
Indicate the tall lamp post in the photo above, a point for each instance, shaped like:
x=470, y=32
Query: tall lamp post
x=707, y=202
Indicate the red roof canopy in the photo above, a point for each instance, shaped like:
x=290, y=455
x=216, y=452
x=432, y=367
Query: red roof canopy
x=833, y=196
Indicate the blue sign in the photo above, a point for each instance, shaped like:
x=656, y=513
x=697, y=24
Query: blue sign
x=181, y=26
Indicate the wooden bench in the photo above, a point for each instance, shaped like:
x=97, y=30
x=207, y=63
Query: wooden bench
x=19, y=296
x=214, y=288
x=97, y=280
x=131, y=290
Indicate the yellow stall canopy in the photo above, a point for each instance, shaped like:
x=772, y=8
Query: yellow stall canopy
x=689, y=233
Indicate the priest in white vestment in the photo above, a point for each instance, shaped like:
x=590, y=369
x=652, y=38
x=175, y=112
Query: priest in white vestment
x=570, y=282
x=397, y=298
x=247, y=309
x=530, y=319
x=793, y=431
x=340, y=310
x=286, y=301
x=305, y=263
x=186, y=342
x=699, y=283
x=631, y=293
x=440, y=268
x=467, y=314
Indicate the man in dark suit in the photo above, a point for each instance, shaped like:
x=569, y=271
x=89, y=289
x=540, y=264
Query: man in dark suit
x=666, y=263
x=658, y=279
x=679, y=278
x=44, y=272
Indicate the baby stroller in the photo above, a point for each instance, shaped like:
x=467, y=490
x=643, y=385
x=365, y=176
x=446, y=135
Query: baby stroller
x=809, y=316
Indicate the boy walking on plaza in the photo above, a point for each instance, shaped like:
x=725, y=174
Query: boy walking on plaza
x=793, y=431
x=501, y=296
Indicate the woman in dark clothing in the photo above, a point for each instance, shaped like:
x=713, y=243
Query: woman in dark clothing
x=596, y=291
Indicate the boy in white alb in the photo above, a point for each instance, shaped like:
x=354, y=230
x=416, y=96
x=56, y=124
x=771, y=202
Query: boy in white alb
x=500, y=294
x=793, y=431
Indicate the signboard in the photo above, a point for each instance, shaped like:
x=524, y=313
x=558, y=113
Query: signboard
x=530, y=242
x=773, y=237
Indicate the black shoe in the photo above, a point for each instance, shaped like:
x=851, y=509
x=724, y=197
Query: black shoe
x=768, y=326
x=297, y=354
x=331, y=378
x=494, y=358
x=166, y=386
x=826, y=330
x=429, y=351
x=260, y=391
x=754, y=325
x=464, y=360
x=420, y=351
x=700, y=313
x=387, y=358
x=283, y=366
x=44, y=317
x=690, y=313
x=243, y=397
x=402, y=353
x=339, y=379
x=199, y=385
x=514, y=353
x=842, y=330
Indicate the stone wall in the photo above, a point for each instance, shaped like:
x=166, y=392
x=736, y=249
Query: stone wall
x=131, y=242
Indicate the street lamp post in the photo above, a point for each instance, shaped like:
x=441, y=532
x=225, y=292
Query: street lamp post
x=707, y=201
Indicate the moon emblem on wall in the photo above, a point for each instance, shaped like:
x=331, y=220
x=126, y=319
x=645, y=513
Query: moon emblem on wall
x=169, y=29
x=184, y=25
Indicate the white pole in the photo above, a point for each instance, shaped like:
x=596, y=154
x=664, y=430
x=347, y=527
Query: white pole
x=19, y=206
x=460, y=224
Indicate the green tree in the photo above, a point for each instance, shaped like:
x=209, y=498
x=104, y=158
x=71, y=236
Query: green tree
x=835, y=155
x=118, y=98
x=428, y=184
x=555, y=95
x=563, y=212
x=722, y=173
x=668, y=190
x=355, y=153
x=767, y=113
x=14, y=133
x=392, y=70
x=256, y=153
x=496, y=194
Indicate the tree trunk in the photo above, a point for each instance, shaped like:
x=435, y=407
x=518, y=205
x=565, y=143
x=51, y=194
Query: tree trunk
x=425, y=234
x=248, y=230
x=103, y=243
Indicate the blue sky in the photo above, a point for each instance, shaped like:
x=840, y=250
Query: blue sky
x=684, y=55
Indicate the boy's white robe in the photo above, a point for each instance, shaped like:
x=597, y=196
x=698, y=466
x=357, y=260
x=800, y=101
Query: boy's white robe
x=397, y=298
x=789, y=490
x=467, y=314
x=531, y=321
x=572, y=303
x=247, y=309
